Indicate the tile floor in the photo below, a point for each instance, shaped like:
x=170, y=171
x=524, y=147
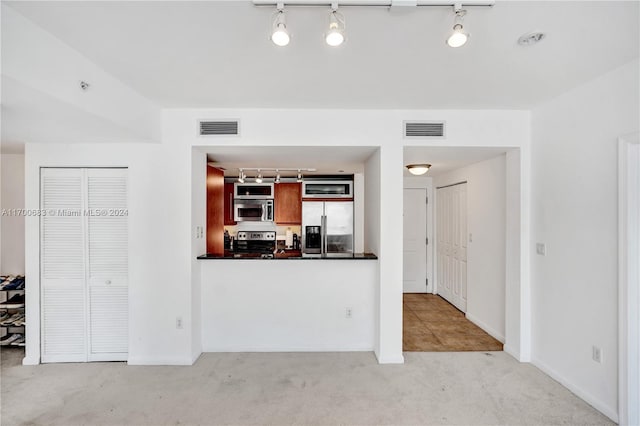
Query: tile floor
x=431, y=324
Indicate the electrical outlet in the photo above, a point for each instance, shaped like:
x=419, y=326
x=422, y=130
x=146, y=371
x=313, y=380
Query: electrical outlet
x=179, y=323
x=596, y=354
x=348, y=312
x=541, y=249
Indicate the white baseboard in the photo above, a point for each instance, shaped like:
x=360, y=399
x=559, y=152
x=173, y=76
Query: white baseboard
x=393, y=359
x=610, y=412
x=195, y=356
x=513, y=352
x=495, y=334
x=30, y=360
x=141, y=360
x=234, y=349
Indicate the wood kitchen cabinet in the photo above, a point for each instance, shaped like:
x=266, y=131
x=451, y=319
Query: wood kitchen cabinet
x=288, y=203
x=228, y=204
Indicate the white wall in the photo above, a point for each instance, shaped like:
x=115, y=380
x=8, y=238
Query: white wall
x=486, y=266
x=198, y=244
x=162, y=222
x=12, y=197
x=574, y=199
x=288, y=305
x=377, y=128
x=159, y=242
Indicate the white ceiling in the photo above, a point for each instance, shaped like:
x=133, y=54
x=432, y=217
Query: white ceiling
x=338, y=160
x=217, y=54
x=446, y=159
x=326, y=160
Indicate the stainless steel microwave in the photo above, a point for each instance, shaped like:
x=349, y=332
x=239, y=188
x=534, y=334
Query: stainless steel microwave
x=327, y=189
x=253, y=210
x=253, y=191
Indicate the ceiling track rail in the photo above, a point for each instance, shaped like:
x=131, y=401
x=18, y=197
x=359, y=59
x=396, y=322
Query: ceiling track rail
x=376, y=3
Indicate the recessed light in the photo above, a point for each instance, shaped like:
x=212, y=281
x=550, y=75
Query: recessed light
x=530, y=39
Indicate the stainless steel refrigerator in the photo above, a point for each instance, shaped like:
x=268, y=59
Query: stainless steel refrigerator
x=327, y=228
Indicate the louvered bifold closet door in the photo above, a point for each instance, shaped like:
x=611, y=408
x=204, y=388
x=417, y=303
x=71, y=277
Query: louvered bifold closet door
x=63, y=266
x=108, y=267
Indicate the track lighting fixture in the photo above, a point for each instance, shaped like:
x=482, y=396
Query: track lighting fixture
x=335, y=36
x=280, y=35
x=277, y=177
x=459, y=37
x=418, y=169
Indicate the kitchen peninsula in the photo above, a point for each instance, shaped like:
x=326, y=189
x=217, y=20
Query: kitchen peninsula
x=316, y=300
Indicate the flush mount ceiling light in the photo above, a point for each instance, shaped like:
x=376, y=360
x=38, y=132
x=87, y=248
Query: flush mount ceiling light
x=459, y=37
x=259, y=177
x=280, y=35
x=418, y=169
x=530, y=39
x=335, y=36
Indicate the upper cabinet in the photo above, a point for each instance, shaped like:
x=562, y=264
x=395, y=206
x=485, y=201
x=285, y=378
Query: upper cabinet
x=288, y=203
x=228, y=204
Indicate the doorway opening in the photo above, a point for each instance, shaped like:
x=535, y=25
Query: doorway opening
x=461, y=306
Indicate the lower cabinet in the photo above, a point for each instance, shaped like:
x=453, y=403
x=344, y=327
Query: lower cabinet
x=84, y=265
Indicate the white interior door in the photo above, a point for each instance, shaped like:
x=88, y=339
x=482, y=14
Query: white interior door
x=415, y=241
x=108, y=271
x=84, y=265
x=451, y=231
x=62, y=266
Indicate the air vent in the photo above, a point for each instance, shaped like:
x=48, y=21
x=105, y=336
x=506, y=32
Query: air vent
x=218, y=128
x=424, y=129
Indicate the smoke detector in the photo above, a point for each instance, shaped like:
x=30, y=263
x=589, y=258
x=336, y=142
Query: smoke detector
x=530, y=39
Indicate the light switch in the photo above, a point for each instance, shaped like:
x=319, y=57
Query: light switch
x=541, y=249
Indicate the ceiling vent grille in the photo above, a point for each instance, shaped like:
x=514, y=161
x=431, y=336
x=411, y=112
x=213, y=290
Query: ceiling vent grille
x=424, y=129
x=219, y=128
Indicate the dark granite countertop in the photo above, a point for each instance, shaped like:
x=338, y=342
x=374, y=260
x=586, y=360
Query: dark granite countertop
x=286, y=256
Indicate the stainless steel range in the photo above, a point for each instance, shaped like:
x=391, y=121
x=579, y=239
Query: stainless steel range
x=255, y=242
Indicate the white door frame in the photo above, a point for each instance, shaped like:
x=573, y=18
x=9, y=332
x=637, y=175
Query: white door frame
x=629, y=279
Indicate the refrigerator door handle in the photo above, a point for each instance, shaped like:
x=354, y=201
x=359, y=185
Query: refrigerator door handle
x=323, y=233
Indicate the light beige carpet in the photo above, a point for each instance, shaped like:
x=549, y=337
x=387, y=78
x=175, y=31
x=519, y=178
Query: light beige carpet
x=467, y=388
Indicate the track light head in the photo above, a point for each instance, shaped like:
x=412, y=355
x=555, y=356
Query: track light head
x=241, y=176
x=280, y=35
x=335, y=36
x=299, y=179
x=259, y=177
x=277, y=179
x=459, y=36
